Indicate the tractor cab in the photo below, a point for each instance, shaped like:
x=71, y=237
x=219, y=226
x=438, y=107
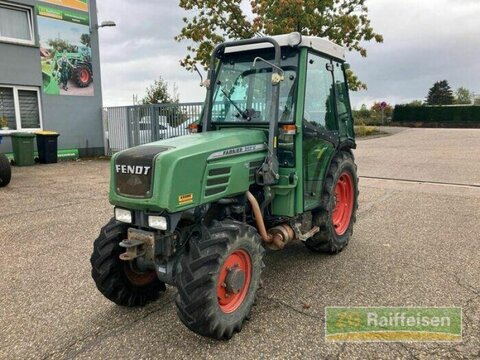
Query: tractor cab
x=295, y=88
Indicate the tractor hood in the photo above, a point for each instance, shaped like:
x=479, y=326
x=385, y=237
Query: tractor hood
x=184, y=172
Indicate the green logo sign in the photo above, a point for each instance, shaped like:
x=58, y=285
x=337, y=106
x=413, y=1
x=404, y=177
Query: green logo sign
x=65, y=15
x=393, y=324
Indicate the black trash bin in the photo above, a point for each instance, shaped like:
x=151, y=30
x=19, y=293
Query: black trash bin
x=47, y=146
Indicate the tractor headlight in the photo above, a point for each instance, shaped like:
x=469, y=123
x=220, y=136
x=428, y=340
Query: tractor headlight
x=157, y=222
x=123, y=215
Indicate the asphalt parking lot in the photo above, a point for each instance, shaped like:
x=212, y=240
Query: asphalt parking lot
x=416, y=243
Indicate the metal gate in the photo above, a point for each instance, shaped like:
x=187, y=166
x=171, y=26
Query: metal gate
x=128, y=126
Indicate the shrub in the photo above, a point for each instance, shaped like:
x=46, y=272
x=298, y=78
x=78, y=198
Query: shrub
x=363, y=130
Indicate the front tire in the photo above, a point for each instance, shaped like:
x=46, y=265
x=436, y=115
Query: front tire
x=116, y=279
x=5, y=171
x=336, y=214
x=218, y=277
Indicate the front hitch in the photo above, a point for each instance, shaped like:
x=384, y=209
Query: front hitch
x=151, y=251
x=139, y=243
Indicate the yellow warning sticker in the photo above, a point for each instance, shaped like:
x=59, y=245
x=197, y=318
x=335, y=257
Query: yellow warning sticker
x=185, y=199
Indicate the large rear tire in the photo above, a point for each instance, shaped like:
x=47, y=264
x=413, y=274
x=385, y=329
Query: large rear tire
x=5, y=171
x=116, y=279
x=82, y=76
x=218, y=277
x=339, y=203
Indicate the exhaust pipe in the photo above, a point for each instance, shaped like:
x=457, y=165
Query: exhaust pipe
x=277, y=237
x=258, y=218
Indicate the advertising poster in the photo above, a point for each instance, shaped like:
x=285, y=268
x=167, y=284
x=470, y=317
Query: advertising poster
x=65, y=50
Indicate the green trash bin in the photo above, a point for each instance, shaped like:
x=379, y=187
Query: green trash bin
x=23, y=149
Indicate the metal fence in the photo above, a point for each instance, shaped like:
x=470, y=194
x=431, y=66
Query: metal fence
x=128, y=126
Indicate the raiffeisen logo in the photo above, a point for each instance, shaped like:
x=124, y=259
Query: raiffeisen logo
x=132, y=169
x=393, y=324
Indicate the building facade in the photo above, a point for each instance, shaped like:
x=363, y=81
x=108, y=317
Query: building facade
x=50, y=72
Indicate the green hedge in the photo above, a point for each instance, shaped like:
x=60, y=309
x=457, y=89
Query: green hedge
x=443, y=114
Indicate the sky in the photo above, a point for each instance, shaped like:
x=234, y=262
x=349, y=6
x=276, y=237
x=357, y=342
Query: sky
x=424, y=41
x=51, y=29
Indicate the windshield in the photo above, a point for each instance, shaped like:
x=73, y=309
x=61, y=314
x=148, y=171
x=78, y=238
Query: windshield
x=243, y=93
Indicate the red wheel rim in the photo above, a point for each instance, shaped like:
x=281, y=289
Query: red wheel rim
x=234, y=281
x=343, y=203
x=139, y=279
x=84, y=76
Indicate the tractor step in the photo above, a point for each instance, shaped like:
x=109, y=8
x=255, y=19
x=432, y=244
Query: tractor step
x=304, y=236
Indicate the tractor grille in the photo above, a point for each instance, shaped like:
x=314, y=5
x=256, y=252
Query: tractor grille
x=217, y=181
x=134, y=171
x=254, y=165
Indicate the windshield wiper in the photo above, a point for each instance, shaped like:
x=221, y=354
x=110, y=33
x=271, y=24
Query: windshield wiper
x=241, y=112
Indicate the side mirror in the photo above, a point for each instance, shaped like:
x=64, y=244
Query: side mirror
x=346, y=66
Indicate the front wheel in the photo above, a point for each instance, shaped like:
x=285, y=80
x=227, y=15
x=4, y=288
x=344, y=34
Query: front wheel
x=337, y=211
x=5, y=171
x=118, y=280
x=219, y=275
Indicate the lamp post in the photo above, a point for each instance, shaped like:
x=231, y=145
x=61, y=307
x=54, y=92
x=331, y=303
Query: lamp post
x=108, y=23
x=106, y=145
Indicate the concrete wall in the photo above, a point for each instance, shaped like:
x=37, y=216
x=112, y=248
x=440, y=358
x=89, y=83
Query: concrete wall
x=78, y=119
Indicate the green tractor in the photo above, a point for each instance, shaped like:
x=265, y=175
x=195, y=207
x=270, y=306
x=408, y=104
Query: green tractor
x=82, y=72
x=272, y=162
x=80, y=69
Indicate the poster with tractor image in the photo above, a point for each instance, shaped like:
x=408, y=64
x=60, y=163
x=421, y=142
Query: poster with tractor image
x=65, y=51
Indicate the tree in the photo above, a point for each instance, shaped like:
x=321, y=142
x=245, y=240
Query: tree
x=376, y=111
x=364, y=113
x=60, y=45
x=464, y=96
x=85, y=39
x=416, y=103
x=344, y=22
x=361, y=116
x=157, y=93
x=440, y=94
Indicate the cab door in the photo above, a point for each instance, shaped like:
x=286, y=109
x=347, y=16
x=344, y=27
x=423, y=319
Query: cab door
x=319, y=127
x=342, y=103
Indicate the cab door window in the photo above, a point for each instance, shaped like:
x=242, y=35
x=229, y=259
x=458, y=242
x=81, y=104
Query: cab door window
x=345, y=124
x=318, y=111
x=318, y=117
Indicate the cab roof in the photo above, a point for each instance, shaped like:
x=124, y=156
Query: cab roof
x=316, y=43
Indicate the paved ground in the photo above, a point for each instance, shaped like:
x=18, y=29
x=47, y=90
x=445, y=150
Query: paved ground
x=73, y=89
x=415, y=244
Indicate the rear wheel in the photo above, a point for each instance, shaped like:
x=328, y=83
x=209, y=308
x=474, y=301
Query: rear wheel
x=219, y=275
x=5, y=170
x=118, y=280
x=82, y=76
x=337, y=212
